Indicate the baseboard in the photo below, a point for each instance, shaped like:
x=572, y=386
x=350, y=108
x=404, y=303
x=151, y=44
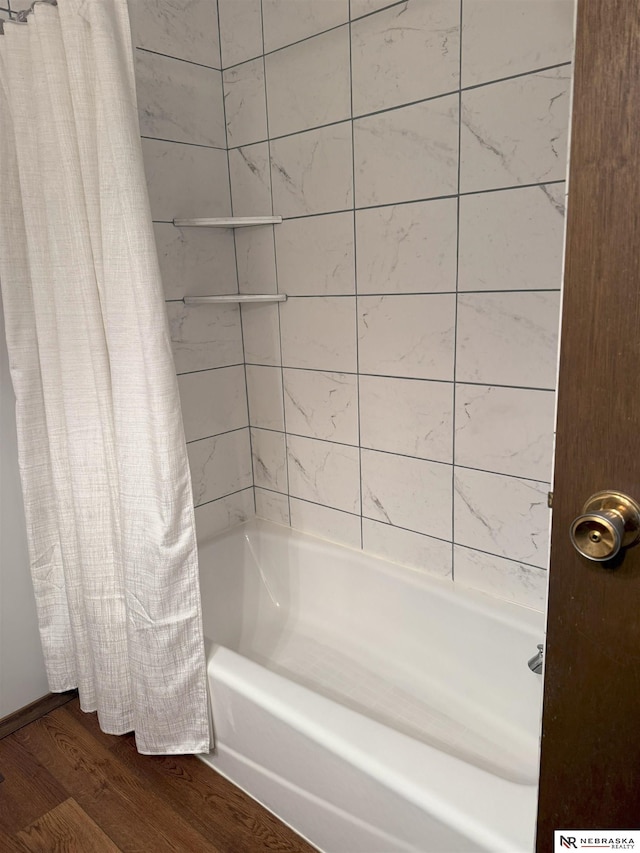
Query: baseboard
x=35, y=710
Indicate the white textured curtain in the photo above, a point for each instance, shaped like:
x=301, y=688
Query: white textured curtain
x=106, y=483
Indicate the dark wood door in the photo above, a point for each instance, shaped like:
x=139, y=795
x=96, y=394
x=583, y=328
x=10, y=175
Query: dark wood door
x=590, y=764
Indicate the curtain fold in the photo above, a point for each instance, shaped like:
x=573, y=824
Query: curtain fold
x=103, y=460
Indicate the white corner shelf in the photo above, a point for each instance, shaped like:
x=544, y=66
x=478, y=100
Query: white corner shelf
x=235, y=297
x=228, y=222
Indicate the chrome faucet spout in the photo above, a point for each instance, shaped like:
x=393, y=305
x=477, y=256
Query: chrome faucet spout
x=535, y=663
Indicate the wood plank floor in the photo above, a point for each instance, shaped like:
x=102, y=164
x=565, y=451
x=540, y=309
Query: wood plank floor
x=68, y=787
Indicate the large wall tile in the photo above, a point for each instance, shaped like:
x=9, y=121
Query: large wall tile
x=312, y=172
x=408, y=336
x=217, y=516
x=512, y=240
x=195, y=261
x=324, y=473
x=506, y=430
x=512, y=581
x=240, y=30
x=508, y=338
x=273, y=506
x=322, y=405
x=201, y=394
x=308, y=83
x=502, y=515
x=515, y=132
x=264, y=390
x=406, y=492
x=407, y=248
x=502, y=39
x=408, y=153
x=319, y=333
x=245, y=103
x=250, y=180
x=261, y=333
x=220, y=465
x=287, y=21
x=432, y=556
x=186, y=180
x=188, y=31
x=256, y=260
x=406, y=53
x=269, y=459
x=315, y=255
x=409, y=416
x=327, y=523
x=204, y=336
x=179, y=100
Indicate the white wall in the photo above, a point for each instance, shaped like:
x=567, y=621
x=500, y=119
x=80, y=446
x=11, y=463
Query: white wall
x=22, y=675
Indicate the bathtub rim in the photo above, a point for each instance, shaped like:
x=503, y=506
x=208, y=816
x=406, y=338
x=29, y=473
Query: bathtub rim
x=484, y=808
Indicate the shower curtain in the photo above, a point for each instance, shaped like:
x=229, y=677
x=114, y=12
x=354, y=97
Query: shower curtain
x=105, y=478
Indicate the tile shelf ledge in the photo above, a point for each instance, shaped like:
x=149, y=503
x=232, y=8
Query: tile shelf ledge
x=228, y=222
x=235, y=297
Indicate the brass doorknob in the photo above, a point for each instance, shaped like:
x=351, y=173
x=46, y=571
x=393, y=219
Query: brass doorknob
x=609, y=521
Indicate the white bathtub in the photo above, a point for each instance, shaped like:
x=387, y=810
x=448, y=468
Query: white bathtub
x=372, y=708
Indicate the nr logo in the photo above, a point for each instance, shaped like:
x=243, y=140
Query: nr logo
x=568, y=841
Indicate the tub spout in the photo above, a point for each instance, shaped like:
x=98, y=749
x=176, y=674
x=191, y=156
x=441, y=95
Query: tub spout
x=535, y=663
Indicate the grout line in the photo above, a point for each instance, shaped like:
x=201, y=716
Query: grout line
x=371, y=295
x=513, y=76
x=422, y=200
x=209, y=369
x=455, y=316
x=275, y=262
x=235, y=256
x=501, y=557
x=179, y=58
x=314, y=503
x=313, y=129
x=355, y=275
x=375, y=11
x=284, y=46
x=514, y=187
x=223, y=497
x=217, y=434
x=182, y=142
x=219, y=40
x=407, y=378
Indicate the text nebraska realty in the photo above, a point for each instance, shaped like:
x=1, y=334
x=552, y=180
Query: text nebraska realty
x=610, y=843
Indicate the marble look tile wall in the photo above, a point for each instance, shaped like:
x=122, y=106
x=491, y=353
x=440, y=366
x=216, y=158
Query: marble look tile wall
x=184, y=138
x=402, y=399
